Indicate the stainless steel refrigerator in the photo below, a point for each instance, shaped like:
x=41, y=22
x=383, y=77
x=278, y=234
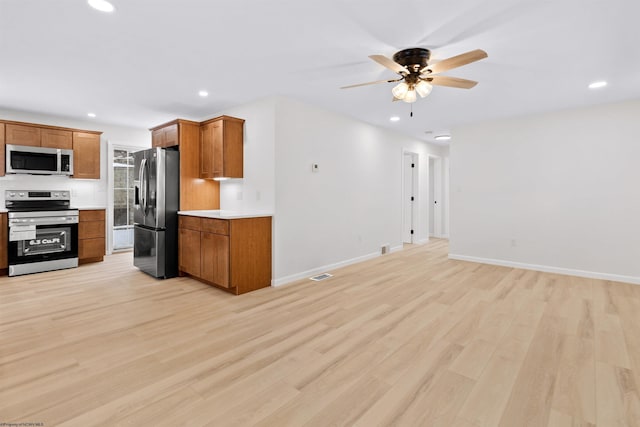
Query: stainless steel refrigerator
x=156, y=202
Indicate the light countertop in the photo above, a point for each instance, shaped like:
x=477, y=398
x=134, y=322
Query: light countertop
x=224, y=214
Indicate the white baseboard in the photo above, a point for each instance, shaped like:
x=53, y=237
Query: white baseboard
x=396, y=248
x=305, y=274
x=549, y=269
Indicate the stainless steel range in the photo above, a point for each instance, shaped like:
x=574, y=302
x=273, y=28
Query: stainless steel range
x=43, y=231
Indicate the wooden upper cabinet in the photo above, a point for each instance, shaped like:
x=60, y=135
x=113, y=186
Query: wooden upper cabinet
x=86, y=155
x=166, y=136
x=221, y=148
x=54, y=138
x=22, y=135
x=85, y=144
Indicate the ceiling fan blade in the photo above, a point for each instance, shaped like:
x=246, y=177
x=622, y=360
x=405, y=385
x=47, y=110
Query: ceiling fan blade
x=450, y=81
x=390, y=64
x=455, y=61
x=369, y=83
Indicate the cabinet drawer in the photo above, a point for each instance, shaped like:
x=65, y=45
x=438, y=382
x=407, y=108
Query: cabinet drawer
x=190, y=222
x=218, y=226
x=90, y=229
x=91, y=248
x=91, y=215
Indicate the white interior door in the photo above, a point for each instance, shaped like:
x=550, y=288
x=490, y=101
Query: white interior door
x=432, y=197
x=436, y=196
x=408, y=197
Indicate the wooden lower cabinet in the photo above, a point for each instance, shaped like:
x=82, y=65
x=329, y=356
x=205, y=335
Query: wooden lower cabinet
x=189, y=251
x=91, y=236
x=214, y=258
x=233, y=254
x=4, y=243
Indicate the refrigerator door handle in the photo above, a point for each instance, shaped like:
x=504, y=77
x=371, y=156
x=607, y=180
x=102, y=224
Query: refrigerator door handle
x=143, y=183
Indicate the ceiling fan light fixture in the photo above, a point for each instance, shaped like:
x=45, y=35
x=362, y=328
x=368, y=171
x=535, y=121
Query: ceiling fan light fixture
x=423, y=88
x=400, y=90
x=410, y=96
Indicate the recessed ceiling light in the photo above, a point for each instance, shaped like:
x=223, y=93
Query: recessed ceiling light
x=101, y=5
x=597, y=85
x=394, y=118
x=92, y=115
x=442, y=137
x=203, y=93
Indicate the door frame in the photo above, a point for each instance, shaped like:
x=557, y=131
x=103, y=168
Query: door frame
x=415, y=214
x=110, y=183
x=441, y=195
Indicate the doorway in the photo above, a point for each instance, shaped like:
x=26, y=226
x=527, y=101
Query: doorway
x=409, y=197
x=438, y=186
x=123, y=192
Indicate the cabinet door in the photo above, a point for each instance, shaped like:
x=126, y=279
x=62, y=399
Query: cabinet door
x=4, y=263
x=217, y=136
x=2, y=149
x=56, y=138
x=206, y=151
x=23, y=135
x=86, y=155
x=171, y=136
x=233, y=149
x=189, y=251
x=215, y=259
x=157, y=138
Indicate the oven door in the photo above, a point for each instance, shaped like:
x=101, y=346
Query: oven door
x=51, y=242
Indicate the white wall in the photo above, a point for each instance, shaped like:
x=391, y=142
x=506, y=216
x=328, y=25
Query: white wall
x=557, y=192
x=85, y=192
x=353, y=205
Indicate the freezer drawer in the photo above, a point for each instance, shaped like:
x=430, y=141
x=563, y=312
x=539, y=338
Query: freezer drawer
x=149, y=251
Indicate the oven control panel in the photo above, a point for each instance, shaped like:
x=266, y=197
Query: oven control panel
x=36, y=195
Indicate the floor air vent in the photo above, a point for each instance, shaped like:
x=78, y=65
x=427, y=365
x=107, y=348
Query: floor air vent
x=320, y=277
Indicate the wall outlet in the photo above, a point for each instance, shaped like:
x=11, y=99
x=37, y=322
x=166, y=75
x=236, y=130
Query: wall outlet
x=239, y=195
x=385, y=249
x=315, y=167
x=514, y=243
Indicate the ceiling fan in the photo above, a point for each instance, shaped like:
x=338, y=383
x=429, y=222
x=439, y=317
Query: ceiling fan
x=418, y=76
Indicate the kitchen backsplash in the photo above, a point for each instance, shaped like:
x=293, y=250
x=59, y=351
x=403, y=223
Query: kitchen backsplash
x=84, y=192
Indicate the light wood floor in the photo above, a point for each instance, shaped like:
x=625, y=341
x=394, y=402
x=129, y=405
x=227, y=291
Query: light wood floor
x=410, y=339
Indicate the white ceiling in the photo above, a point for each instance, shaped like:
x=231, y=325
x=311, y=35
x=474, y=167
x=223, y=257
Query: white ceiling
x=145, y=63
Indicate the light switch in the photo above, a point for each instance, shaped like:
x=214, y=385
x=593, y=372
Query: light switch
x=315, y=167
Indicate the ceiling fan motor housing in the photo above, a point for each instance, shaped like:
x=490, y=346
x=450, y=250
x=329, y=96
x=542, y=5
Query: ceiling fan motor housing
x=414, y=59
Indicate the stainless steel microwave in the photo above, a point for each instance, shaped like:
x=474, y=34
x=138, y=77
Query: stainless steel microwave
x=39, y=160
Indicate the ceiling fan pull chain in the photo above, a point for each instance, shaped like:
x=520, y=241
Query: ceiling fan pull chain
x=411, y=115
